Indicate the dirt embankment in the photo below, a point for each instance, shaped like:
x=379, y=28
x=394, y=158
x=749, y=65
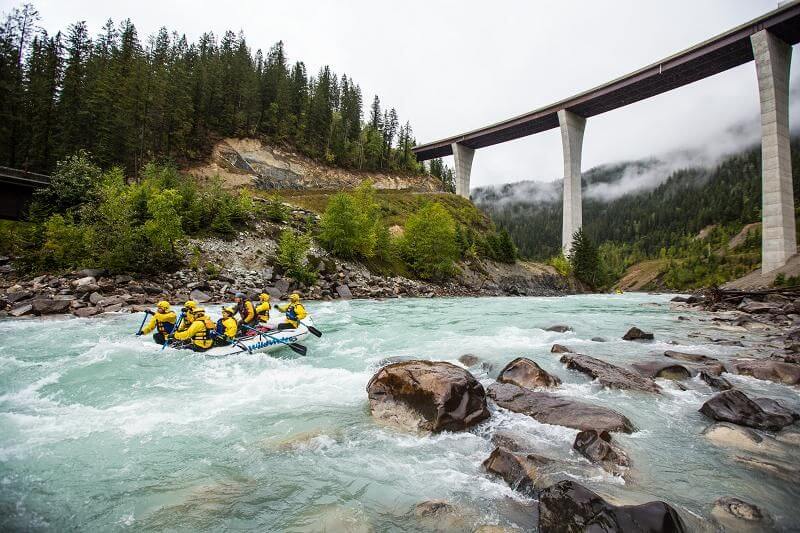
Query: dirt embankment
x=249, y=162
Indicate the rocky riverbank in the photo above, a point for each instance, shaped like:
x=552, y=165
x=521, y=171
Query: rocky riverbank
x=760, y=433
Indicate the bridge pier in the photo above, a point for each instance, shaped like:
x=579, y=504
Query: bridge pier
x=462, y=156
x=572, y=127
x=778, y=234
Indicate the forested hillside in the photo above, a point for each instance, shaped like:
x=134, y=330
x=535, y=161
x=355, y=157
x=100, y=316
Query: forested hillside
x=129, y=100
x=660, y=222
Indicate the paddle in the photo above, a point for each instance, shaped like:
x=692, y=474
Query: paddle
x=314, y=331
x=147, y=313
x=297, y=348
x=174, y=329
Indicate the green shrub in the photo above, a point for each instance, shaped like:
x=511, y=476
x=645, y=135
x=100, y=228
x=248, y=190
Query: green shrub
x=351, y=225
x=71, y=186
x=561, y=264
x=429, y=243
x=293, y=256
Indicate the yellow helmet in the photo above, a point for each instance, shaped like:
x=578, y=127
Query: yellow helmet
x=264, y=297
x=191, y=304
x=198, y=312
x=229, y=310
x=163, y=304
x=294, y=297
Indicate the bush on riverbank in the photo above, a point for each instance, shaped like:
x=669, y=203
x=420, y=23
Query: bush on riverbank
x=90, y=218
x=429, y=243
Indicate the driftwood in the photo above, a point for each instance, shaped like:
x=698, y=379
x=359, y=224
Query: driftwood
x=716, y=295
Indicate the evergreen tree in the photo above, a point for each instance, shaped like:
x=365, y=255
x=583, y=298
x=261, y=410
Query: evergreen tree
x=585, y=260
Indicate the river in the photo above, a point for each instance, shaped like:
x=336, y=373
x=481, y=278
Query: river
x=103, y=431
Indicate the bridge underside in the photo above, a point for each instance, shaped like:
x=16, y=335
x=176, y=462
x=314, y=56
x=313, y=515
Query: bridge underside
x=14, y=201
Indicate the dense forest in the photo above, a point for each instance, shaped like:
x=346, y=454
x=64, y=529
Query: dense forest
x=659, y=223
x=129, y=102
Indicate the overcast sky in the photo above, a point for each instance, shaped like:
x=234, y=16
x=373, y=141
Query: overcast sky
x=451, y=66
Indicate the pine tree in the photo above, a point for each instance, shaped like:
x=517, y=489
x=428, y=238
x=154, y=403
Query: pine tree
x=585, y=260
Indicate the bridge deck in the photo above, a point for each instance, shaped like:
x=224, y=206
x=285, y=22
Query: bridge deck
x=718, y=54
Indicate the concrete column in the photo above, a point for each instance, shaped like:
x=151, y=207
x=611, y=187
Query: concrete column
x=463, y=162
x=572, y=127
x=778, y=238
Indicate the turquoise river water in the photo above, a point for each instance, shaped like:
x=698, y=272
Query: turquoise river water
x=102, y=431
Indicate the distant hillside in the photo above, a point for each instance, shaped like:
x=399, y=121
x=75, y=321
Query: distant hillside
x=630, y=203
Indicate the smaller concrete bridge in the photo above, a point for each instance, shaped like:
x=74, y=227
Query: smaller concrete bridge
x=16, y=191
x=767, y=39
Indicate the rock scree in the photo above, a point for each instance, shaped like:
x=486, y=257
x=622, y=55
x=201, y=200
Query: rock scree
x=526, y=373
x=549, y=408
x=431, y=395
x=570, y=507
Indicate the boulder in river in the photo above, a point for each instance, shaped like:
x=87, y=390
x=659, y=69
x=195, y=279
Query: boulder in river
x=526, y=373
x=609, y=375
x=736, y=407
x=559, y=328
x=599, y=449
x=742, y=439
x=662, y=369
x=560, y=348
x=734, y=514
x=548, y=408
x=718, y=382
x=428, y=395
x=636, y=334
x=570, y=507
x=770, y=370
x=469, y=359
x=519, y=470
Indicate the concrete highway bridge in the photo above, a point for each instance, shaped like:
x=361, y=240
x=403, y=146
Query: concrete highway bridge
x=16, y=191
x=767, y=39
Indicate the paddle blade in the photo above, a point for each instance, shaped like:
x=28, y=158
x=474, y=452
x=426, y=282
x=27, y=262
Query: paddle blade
x=298, y=348
x=314, y=331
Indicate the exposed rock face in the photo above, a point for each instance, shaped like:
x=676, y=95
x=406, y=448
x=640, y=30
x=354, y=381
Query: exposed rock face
x=635, y=334
x=432, y=396
x=569, y=507
x=526, y=373
x=559, y=328
x=519, y=470
x=734, y=514
x=753, y=307
x=21, y=310
x=736, y=407
x=598, y=448
x=661, y=369
x=559, y=348
x=770, y=370
x=551, y=409
x=609, y=375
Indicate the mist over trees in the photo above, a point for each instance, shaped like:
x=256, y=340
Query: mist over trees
x=129, y=101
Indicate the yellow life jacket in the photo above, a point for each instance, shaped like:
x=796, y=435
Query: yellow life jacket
x=263, y=312
x=202, y=337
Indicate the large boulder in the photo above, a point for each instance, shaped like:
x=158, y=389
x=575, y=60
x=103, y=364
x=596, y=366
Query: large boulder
x=598, y=447
x=717, y=382
x=45, y=306
x=548, y=408
x=85, y=312
x=570, y=507
x=736, y=407
x=560, y=348
x=199, y=296
x=519, y=470
x=770, y=370
x=21, y=310
x=636, y=334
x=428, y=395
x=17, y=296
x=753, y=307
x=344, y=292
x=609, y=375
x=662, y=369
x=526, y=373
x=742, y=439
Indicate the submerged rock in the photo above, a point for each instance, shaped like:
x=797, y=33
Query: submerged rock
x=636, y=334
x=469, y=359
x=559, y=328
x=662, y=369
x=519, y=470
x=428, y=395
x=570, y=507
x=526, y=373
x=770, y=370
x=609, y=375
x=548, y=408
x=734, y=514
x=739, y=438
x=736, y=407
x=599, y=449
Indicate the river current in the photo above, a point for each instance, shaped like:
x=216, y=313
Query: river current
x=103, y=431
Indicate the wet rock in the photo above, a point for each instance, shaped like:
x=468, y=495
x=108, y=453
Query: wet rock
x=786, y=470
x=717, y=382
x=439, y=515
x=113, y=308
x=570, y=507
x=560, y=348
x=743, y=439
x=736, y=407
x=774, y=407
x=635, y=334
x=690, y=357
x=199, y=296
x=429, y=395
x=770, y=370
x=21, y=310
x=734, y=514
x=50, y=307
x=661, y=369
x=513, y=442
x=599, y=449
x=85, y=312
x=559, y=328
x=433, y=508
x=548, y=408
x=599, y=339
x=111, y=301
x=526, y=373
x=609, y=375
x=344, y=292
x=469, y=359
x=519, y=470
